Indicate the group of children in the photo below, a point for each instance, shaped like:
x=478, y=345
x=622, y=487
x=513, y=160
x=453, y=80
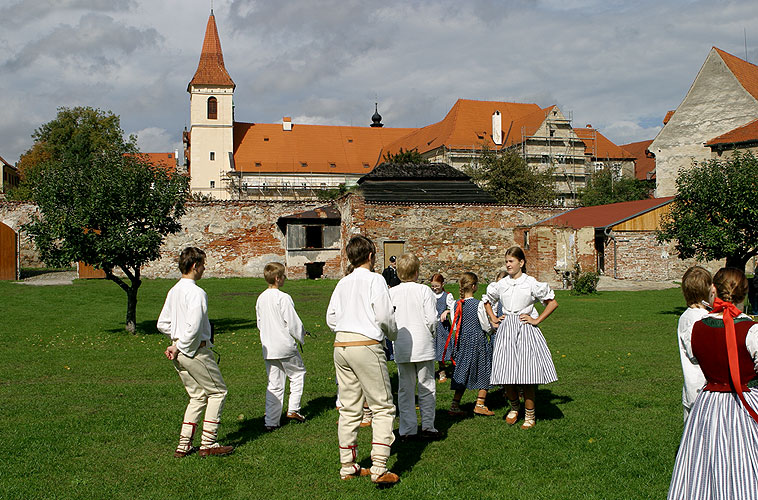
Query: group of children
x=492, y=342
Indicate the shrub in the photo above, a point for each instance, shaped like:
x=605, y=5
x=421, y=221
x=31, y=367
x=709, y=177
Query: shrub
x=585, y=283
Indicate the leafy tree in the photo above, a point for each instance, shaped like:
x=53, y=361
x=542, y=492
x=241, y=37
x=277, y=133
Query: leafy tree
x=605, y=187
x=102, y=203
x=403, y=157
x=714, y=214
x=509, y=178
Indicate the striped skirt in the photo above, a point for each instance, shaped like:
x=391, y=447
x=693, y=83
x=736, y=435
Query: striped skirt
x=718, y=456
x=520, y=354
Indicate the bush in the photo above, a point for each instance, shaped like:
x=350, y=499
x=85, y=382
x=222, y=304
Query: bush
x=585, y=283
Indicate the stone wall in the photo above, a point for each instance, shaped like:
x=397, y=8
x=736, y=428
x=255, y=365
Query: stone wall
x=15, y=214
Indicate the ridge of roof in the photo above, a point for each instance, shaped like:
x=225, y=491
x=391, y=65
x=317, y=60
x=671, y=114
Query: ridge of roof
x=210, y=68
x=603, y=216
x=744, y=133
x=604, y=147
x=2, y=160
x=644, y=165
x=745, y=72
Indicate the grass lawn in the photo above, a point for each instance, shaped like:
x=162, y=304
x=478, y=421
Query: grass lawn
x=89, y=411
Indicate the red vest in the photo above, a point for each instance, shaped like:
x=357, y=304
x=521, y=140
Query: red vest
x=709, y=347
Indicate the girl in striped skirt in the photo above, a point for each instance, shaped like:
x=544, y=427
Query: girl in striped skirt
x=520, y=356
x=718, y=456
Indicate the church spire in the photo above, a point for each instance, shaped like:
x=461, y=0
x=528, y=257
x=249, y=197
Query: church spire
x=211, y=70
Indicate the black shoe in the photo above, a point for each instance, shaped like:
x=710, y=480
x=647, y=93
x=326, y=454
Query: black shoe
x=432, y=435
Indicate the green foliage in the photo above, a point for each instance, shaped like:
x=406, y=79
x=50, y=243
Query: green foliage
x=333, y=194
x=92, y=413
x=585, y=283
x=403, y=157
x=106, y=207
x=509, y=179
x=714, y=214
x=605, y=187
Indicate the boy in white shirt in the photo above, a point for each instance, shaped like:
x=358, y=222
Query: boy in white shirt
x=698, y=291
x=416, y=317
x=361, y=315
x=184, y=319
x=281, y=330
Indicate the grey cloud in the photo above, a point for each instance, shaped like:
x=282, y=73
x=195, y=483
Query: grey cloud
x=94, y=45
x=25, y=11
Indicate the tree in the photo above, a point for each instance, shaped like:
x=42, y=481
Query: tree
x=102, y=203
x=605, y=187
x=508, y=178
x=403, y=157
x=714, y=214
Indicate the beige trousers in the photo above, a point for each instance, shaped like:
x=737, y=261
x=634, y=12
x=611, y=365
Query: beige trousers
x=362, y=371
x=207, y=391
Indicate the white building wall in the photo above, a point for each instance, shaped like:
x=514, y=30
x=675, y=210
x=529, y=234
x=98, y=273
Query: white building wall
x=208, y=135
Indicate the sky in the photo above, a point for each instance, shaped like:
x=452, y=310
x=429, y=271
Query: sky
x=618, y=65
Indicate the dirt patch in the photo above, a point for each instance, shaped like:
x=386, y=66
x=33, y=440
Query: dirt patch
x=52, y=278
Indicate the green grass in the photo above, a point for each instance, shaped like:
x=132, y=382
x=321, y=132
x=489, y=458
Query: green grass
x=89, y=411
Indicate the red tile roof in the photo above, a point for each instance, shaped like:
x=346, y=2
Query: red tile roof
x=599, y=146
x=210, y=69
x=323, y=149
x=469, y=124
x=745, y=72
x=602, y=216
x=644, y=164
x=745, y=133
x=165, y=160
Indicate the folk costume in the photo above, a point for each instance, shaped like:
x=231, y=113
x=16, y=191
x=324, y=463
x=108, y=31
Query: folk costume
x=694, y=380
x=472, y=349
x=281, y=330
x=184, y=318
x=361, y=314
x=443, y=302
x=416, y=318
x=718, y=455
x=520, y=354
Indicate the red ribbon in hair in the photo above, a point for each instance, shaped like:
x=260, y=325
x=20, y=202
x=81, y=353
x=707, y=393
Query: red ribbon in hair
x=454, y=329
x=730, y=312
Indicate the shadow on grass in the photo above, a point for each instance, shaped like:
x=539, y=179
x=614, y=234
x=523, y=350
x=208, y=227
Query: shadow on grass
x=317, y=406
x=220, y=326
x=247, y=430
x=547, y=404
x=676, y=311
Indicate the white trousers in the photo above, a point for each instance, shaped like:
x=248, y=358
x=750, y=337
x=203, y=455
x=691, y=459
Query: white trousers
x=362, y=372
x=407, y=375
x=278, y=370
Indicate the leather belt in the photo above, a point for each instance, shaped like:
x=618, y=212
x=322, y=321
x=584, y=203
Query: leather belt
x=356, y=343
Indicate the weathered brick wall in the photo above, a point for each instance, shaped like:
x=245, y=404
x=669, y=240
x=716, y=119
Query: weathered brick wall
x=15, y=214
x=449, y=239
x=554, y=250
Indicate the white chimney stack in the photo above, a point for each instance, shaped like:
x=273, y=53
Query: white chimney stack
x=286, y=123
x=497, y=128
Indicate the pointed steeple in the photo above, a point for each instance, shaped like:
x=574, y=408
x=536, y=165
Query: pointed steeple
x=211, y=70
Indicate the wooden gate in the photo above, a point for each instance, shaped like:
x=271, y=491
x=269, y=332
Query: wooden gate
x=8, y=253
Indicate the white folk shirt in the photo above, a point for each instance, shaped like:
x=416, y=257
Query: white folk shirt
x=694, y=380
x=416, y=317
x=279, y=324
x=184, y=317
x=518, y=296
x=361, y=304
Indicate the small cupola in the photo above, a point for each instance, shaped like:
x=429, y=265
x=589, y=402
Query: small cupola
x=376, y=120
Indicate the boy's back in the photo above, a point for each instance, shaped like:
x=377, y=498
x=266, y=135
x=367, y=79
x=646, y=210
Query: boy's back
x=360, y=303
x=416, y=317
x=280, y=326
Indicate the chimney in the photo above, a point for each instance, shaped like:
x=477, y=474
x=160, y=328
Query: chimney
x=286, y=123
x=589, y=125
x=497, y=128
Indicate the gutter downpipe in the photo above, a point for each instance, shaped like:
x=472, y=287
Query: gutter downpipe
x=607, y=232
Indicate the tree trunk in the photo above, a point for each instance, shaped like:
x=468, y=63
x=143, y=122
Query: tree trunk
x=131, y=307
x=738, y=261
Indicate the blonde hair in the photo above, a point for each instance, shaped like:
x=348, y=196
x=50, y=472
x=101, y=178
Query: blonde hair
x=731, y=285
x=272, y=272
x=407, y=266
x=468, y=282
x=696, y=285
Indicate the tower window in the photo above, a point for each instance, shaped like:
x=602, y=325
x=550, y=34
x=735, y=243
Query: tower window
x=212, y=108
x=213, y=156
x=213, y=184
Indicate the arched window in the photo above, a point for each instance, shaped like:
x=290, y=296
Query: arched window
x=212, y=108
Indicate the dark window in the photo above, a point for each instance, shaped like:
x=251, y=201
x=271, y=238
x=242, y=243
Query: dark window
x=314, y=270
x=213, y=156
x=212, y=108
x=314, y=237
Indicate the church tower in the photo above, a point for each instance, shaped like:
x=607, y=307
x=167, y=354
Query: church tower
x=211, y=137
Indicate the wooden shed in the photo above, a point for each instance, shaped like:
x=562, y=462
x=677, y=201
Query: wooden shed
x=9, y=259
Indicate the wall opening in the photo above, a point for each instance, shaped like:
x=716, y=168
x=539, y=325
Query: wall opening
x=314, y=270
x=314, y=236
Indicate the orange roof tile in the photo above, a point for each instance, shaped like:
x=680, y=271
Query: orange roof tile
x=602, y=216
x=668, y=116
x=323, y=149
x=644, y=163
x=469, y=124
x=210, y=69
x=599, y=146
x=745, y=133
x=165, y=160
x=745, y=72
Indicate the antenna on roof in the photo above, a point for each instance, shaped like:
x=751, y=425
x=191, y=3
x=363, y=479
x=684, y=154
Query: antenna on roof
x=211, y=7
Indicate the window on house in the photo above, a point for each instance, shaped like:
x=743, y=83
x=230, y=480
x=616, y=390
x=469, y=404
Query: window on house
x=314, y=237
x=526, y=240
x=257, y=164
x=213, y=184
x=303, y=163
x=213, y=156
x=332, y=165
x=552, y=133
x=212, y=108
x=365, y=165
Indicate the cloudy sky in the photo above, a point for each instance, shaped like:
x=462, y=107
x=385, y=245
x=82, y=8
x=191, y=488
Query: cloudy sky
x=616, y=64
